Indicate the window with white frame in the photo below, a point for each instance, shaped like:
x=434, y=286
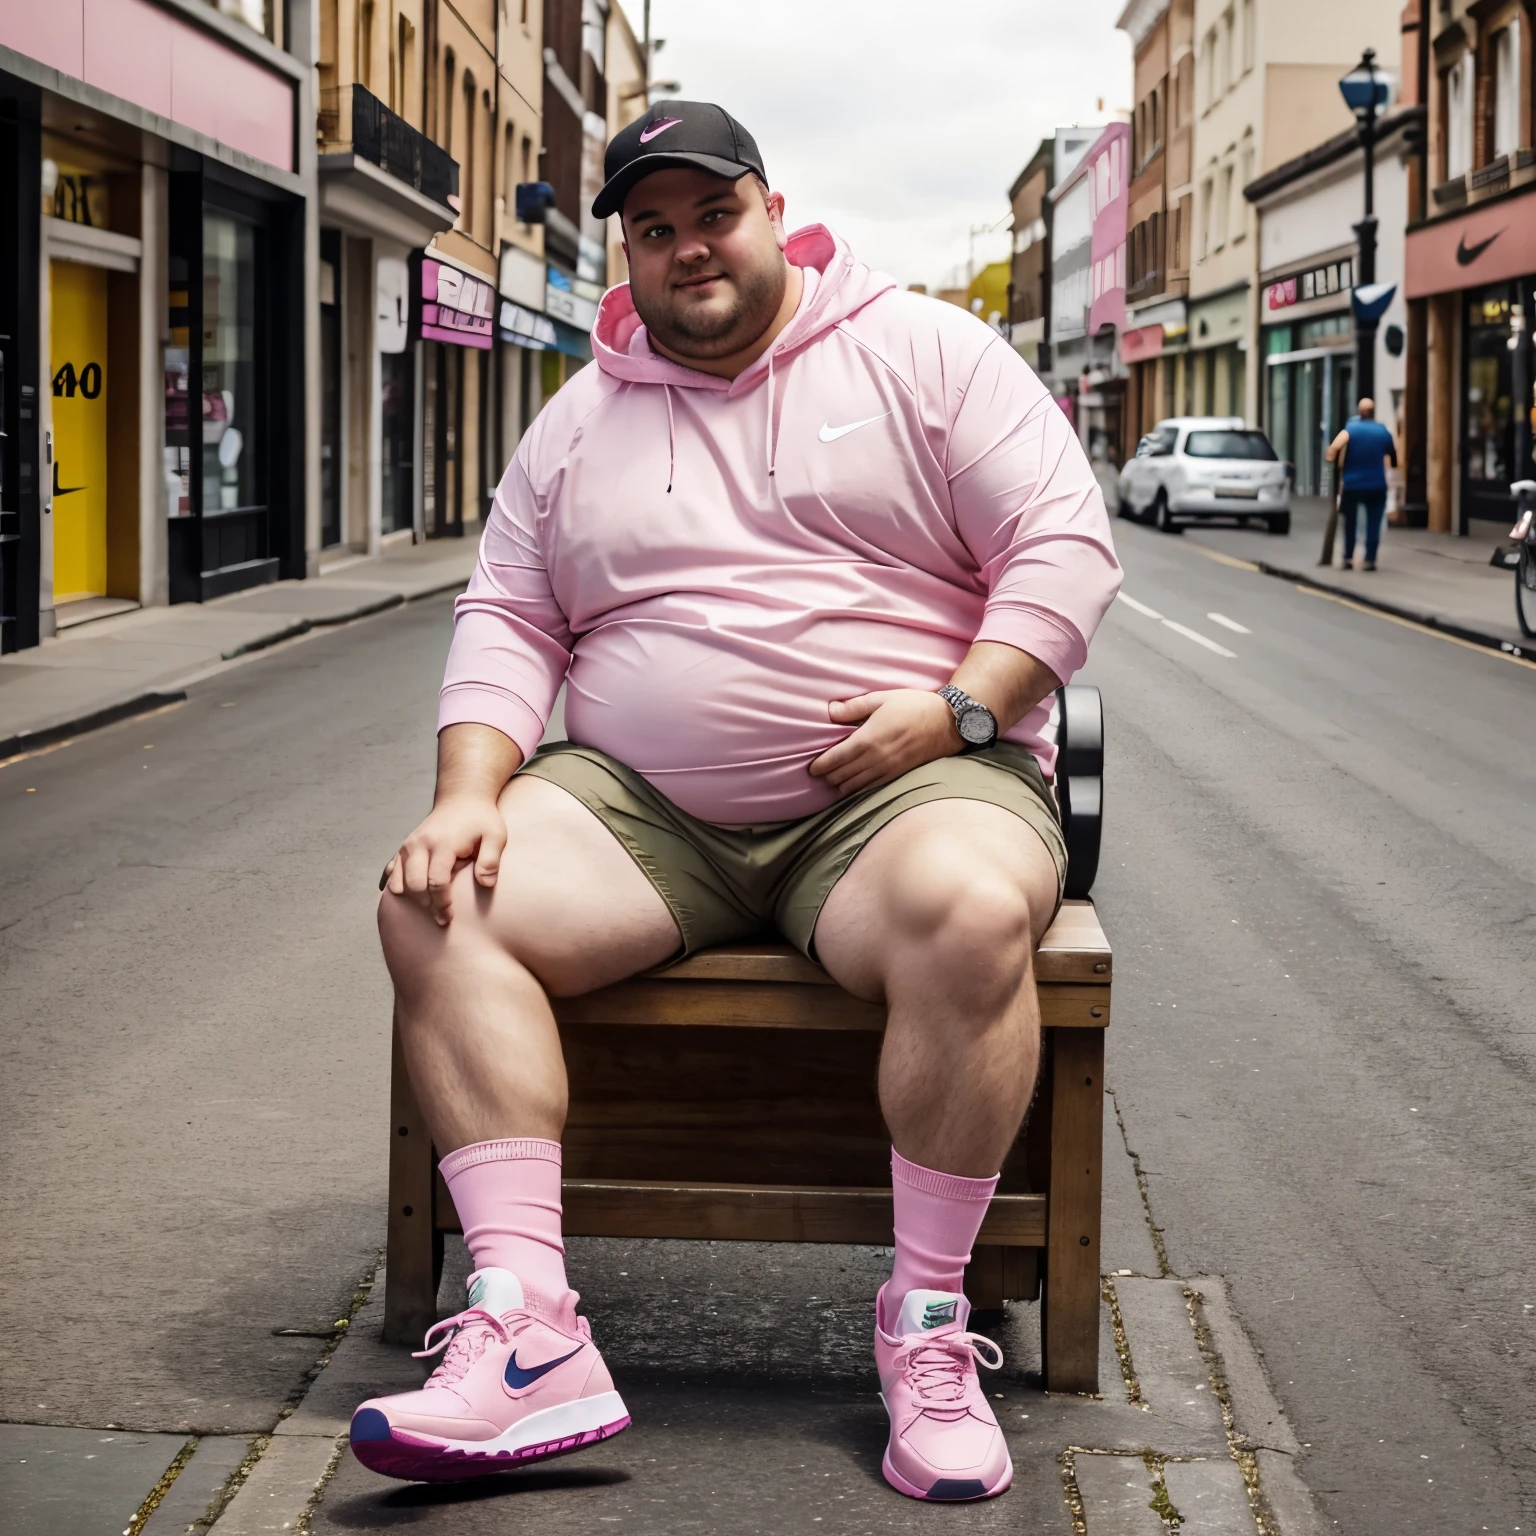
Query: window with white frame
x=1224, y=207
x=1459, y=92
x=1506, y=89
x=1228, y=50
x=1248, y=39
x=1206, y=199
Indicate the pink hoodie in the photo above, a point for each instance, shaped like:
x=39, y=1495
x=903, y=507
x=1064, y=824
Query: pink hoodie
x=709, y=562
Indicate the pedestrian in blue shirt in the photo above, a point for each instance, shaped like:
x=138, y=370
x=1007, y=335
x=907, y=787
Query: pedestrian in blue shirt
x=1363, y=448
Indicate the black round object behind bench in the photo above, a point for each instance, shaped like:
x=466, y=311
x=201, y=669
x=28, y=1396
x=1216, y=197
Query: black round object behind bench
x=1080, y=781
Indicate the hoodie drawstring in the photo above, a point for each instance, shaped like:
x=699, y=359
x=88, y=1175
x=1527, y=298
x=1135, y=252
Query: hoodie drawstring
x=666, y=390
x=769, y=442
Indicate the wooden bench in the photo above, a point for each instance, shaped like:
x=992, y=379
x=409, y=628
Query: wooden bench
x=732, y=1096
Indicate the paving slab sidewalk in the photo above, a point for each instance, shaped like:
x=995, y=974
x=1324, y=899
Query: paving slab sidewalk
x=1438, y=579
x=746, y=1368
x=92, y=674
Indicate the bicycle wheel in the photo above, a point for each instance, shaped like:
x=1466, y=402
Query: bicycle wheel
x=1525, y=591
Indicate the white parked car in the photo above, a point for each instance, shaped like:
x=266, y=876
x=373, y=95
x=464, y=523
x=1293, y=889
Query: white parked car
x=1196, y=468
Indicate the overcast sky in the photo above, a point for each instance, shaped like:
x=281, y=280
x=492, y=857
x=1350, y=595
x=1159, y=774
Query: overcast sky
x=899, y=124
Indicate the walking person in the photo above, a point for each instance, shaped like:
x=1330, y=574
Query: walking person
x=1363, y=448
x=811, y=555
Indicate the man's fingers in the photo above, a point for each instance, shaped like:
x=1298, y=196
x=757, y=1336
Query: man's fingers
x=488, y=860
x=834, y=758
x=859, y=708
x=413, y=873
x=440, y=883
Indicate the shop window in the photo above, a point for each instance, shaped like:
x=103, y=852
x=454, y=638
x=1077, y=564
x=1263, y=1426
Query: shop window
x=1506, y=89
x=1487, y=453
x=397, y=440
x=1457, y=93
x=230, y=428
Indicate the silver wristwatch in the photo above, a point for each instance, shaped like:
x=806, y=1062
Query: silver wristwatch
x=975, y=722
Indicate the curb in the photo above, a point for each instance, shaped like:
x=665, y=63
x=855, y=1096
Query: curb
x=304, y=626
x=1459, y=631
x=96, y=718
x=92, y=720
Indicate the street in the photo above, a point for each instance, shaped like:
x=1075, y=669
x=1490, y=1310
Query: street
x=1318, y=882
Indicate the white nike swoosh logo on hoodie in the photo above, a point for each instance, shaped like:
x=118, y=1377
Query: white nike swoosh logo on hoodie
x=830, y=434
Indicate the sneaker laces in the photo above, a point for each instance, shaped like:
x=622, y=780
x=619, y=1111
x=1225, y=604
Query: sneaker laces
x=462, y=1345
x=938, y=1367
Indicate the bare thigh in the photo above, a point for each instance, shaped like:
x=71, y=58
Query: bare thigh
x=944, y=871
x=569, y=904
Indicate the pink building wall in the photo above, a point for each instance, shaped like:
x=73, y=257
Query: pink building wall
x=146, y=56
x=1109, y=177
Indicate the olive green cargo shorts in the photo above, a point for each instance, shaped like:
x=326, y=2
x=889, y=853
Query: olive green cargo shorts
x=727, y=884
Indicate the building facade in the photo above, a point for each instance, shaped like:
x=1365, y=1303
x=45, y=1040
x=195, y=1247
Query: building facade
x=1307, y=210
x=1029, y=292
x=155, y=284
x=1265, y=90
x=1154, y=345
x=1470, y=261
x=1088, y=225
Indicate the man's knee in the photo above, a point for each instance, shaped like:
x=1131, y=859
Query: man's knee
x=414, y=942
x=970, y=917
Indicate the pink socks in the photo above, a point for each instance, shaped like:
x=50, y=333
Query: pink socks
x=937, y=1218
x=507, y=1194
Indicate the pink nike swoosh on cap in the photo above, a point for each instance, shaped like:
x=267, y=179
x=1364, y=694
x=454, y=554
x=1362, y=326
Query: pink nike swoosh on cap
x=650, y=133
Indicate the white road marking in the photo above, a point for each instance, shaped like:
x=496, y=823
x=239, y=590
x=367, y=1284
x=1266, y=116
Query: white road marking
x=1130, y=602
x=1198, y=638
x=1226, y=623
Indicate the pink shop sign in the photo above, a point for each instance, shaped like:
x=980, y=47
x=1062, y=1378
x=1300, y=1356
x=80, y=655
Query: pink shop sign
x=455, y=306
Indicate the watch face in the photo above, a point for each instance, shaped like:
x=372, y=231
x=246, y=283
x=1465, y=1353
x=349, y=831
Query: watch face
x=977, y=727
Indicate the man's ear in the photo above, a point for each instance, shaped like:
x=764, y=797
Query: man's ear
x=774, y=202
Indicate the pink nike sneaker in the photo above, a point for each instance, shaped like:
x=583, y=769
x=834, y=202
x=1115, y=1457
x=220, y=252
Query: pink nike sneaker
x=512, y=1388
x=945, y=1443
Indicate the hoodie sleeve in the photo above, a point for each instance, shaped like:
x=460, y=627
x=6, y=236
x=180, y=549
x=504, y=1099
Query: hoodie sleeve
x=1031, y=512
x=511, y=644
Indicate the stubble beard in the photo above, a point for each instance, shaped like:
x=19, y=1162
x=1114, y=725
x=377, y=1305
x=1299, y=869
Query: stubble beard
x=758, y=297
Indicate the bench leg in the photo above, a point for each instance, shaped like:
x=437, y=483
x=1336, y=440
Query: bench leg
x=410, y=1284
x=997, y=1274
x=1070, y=1324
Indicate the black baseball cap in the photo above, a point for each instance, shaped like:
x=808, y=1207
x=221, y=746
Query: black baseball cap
x=676, y=133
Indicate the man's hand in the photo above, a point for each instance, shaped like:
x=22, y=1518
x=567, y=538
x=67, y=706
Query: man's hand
x=474, y=763
x=903, y=729
x=460, y=828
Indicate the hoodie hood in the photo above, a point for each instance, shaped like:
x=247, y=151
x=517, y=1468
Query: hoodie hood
x=842, y=286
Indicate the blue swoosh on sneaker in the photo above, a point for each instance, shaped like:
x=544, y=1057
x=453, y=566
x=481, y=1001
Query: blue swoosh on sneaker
x=517, y=1377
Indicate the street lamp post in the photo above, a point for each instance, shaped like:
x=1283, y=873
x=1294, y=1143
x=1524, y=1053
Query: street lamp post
x=1364, y=90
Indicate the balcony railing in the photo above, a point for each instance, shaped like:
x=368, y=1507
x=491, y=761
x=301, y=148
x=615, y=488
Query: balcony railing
x=1488, y=180
x=1451, y=194
x=352, y=117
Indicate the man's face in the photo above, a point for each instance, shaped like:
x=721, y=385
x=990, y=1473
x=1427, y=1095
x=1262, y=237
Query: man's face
x=706, y=260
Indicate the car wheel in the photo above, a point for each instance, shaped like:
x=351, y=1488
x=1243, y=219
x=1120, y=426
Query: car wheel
x=1162, y=518
x=1279, y=522
x=1123, y=508
x=1525, y=592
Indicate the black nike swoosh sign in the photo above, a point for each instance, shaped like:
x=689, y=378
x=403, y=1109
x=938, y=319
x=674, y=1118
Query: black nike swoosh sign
x=63, y=490
x=1466, y=255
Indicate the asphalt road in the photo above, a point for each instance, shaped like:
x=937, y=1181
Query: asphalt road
x=1319, y=882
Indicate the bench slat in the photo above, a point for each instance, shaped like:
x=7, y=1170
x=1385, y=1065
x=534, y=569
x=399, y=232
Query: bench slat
x=764, y=1213
x=792, y=1005
x=1074, y=949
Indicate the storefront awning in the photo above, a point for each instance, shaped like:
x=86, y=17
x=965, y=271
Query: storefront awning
x=1484, y=245
x=455, y=306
